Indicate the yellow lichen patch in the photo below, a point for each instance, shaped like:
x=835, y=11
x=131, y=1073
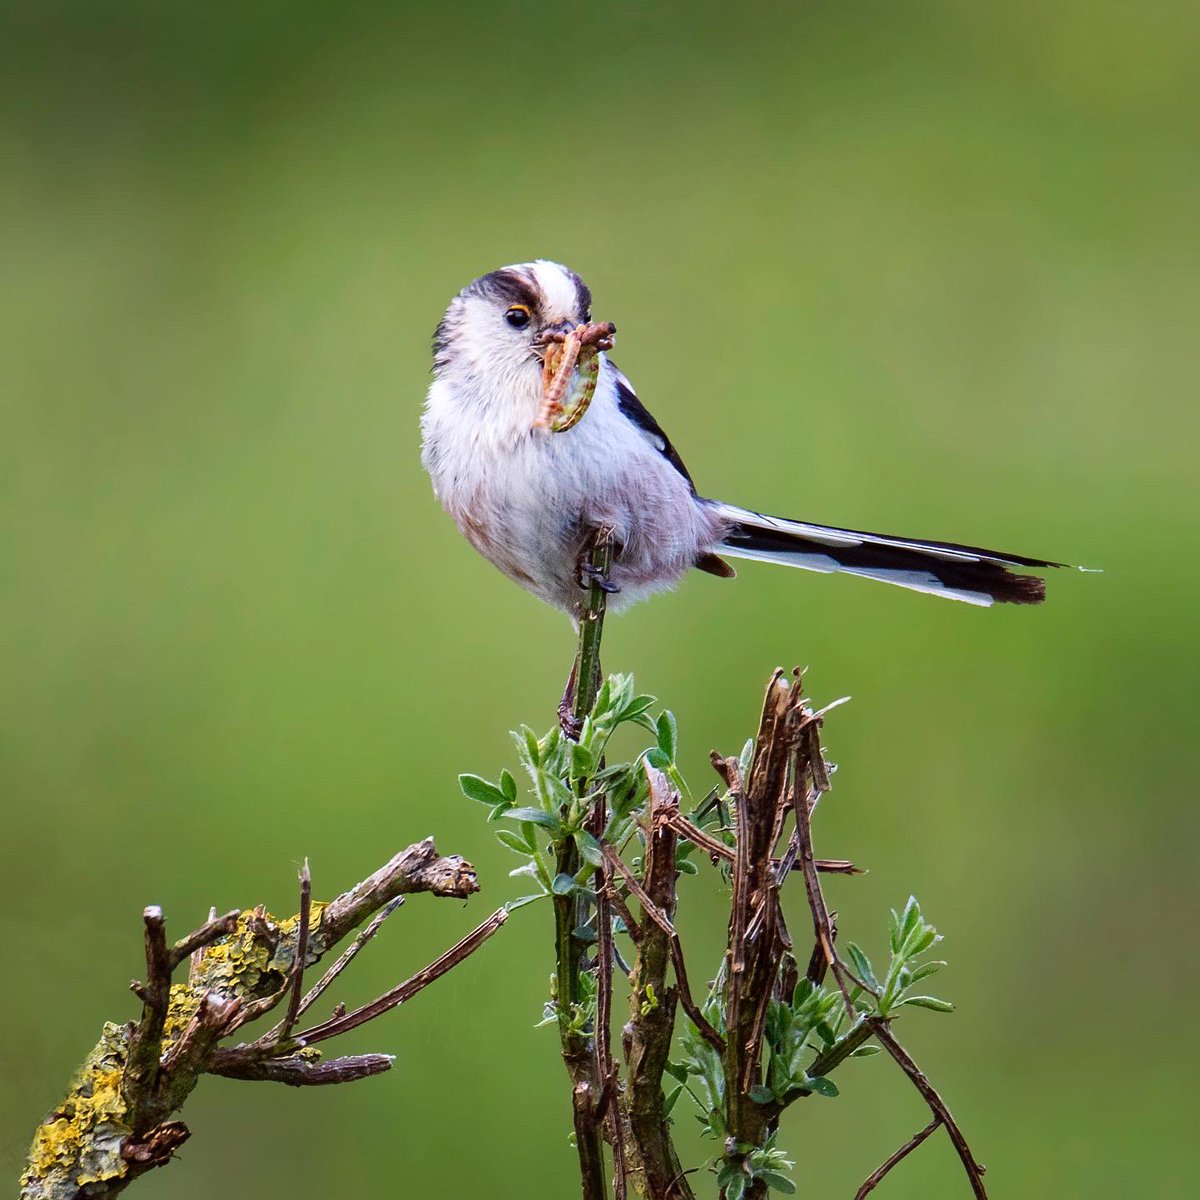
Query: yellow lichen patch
x=80, y=1142
x=236, y=965
x=182, y=1007
x=289, y=930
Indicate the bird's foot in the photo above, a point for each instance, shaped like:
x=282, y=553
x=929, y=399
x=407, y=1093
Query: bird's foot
x=588, y=575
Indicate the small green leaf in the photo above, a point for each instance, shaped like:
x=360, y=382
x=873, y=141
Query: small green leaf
x=535, y=816
x=932, y=1002
x=919, y=940
x=554, y=791
x=532, y=753
x=563, y=884
x=669, y=1103
x=583, y=761
x=862, y=964
x=684, y=867
x=636, y=707
x=476, y=788
x=821, y=1085
x=865, y=1051
x=657, y=758
x=585, y=934
x=508, y=785
x=589, y=847
x=521, y=901
x=735, y=1189
x=761, y=1095
x=780, y=1183
x=513, y=842
x=746, y=757
x=499, y=810
x=677, y=1071
x=910, y=918
x=667, y=733
x=924, y=971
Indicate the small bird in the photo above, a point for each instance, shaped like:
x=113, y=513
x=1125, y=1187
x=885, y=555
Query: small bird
x=535, y=441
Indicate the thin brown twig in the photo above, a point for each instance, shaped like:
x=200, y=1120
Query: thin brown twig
x=301, y=952
x=715, y=849
x=212, y=929
x=348, y=955
x=822, y=926
x=461, y=950
x=655, y=914
x=974, y=1170
x=299, y=1072
x=618, y=902
x=872, y=1181
x=249, y=1011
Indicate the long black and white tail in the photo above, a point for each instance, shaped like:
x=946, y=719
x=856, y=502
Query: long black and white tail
x=940, y=568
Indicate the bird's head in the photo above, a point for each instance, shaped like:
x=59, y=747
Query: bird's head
x=502, y=330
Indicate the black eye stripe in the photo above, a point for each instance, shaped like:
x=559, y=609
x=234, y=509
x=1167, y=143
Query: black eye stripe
x=511, y=287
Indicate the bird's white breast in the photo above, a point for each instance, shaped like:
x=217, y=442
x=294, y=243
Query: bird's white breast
x=526, y=498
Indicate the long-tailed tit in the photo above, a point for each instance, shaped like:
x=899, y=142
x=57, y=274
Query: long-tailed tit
x=534, y=441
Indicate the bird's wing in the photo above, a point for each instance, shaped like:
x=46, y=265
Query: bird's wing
x=634, y=411
x=638, y=414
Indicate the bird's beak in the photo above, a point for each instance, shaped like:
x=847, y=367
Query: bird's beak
x=570, y=367
x=553, y=335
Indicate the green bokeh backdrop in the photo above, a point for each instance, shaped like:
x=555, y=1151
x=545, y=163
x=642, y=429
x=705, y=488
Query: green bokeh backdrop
x=926, y=267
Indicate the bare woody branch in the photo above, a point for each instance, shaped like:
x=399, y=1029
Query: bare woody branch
x=112, y=1126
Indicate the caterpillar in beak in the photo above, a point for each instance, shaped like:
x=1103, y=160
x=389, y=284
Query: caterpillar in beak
x=569, y=372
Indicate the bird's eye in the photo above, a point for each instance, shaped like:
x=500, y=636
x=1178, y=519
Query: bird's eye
x=517, y=316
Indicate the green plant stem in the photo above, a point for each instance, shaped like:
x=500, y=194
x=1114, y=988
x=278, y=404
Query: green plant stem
x=591, y=626
x=578, y=1050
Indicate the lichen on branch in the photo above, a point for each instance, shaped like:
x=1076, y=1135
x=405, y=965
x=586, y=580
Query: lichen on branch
x=113, y=1126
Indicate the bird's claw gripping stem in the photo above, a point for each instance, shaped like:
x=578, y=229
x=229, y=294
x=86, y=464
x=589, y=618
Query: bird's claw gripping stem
x=588, y=574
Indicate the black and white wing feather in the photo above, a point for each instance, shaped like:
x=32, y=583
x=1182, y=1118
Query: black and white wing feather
x=638, y=414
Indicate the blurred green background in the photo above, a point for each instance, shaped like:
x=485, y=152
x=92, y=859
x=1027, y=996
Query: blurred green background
x=929, y=268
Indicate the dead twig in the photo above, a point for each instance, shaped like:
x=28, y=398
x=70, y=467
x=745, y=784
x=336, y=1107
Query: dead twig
x=301, y=953
x=457, y=953
x=872, y=1180
x=974, y=1170
x=659, y=918
x=214, y=928
x=348, y=956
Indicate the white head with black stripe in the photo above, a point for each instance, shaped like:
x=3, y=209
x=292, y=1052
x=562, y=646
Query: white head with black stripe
x=502, y=323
